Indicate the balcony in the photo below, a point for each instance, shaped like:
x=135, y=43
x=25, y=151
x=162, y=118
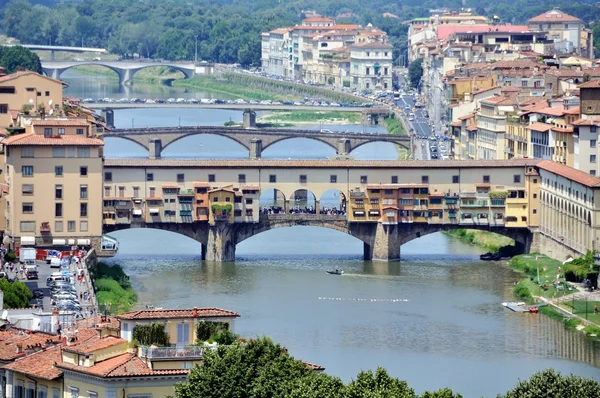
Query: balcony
x=188, y=352
x=468, y=195
x=497, y=203
x=476, y=203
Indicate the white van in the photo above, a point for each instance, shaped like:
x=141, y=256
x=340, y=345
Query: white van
x=54, y=278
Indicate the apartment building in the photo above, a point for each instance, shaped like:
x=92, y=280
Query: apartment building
x=29, y=89
x=176, y=196
x=371, y=66
x=567, y=32
x=491, y=126
x=276, y=54
x=501, y=197
x=53, y=170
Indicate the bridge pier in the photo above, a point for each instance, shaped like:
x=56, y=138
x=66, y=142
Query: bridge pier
x=386, y=246
x=249, y=119
x=255, y=148
x=154, y=148
x=221, y=243
x=109, y=117
x=344, y=146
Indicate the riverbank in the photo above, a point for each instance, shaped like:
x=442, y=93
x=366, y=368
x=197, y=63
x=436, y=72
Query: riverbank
x=394, y=126
x=114, y=292
x=488, y=240
x=564, y=301
x=311, y=117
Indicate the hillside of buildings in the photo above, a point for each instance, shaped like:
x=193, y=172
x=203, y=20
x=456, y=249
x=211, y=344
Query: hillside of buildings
x=229, y=31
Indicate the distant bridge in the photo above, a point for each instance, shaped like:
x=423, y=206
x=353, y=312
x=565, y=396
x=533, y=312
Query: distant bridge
x=52, y=49
x=124, y=69
x=157, y=138
x=238, y=107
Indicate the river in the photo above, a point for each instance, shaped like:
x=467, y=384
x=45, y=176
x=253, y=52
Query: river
x=433, y=319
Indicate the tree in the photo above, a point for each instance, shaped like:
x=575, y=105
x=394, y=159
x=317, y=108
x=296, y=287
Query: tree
x=378, y=384
x=258, y=369
x=11, y=58
x=443, y=393
x=415, y=72
x=16, y=294
x=550, y=383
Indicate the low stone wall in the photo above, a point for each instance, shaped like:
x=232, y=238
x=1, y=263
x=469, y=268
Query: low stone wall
x=554, y=249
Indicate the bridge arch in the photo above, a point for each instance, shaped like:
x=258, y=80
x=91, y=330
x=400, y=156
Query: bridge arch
x=303, y=199
x=278, y=140
x=333, y=198
x=130, y=139
x=232, y=138
x=404, y=144
x=272, y=199
x=187, y=73
x=57, y=72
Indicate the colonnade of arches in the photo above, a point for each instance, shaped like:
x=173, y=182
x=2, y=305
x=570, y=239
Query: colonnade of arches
x=569, y=222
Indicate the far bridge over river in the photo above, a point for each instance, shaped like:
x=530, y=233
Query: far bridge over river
x=255, y=140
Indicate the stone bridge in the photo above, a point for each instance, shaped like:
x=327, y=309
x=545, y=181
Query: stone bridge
x=380, y=241
x=255, y=141
x=124, y=69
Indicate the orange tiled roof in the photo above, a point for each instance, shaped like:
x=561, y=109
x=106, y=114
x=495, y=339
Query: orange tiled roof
x=555, y=111
x=40, y=364
x=170, y=186
x=317, y=19
x=201, y=185
x=327, y=164
x=587, y=122
x=570, y=173
x=517, y=64
x=458, y=123
x=563, y=130
x=65, y=139
x=60, y=122
x=9, y=340
x=95, y=344
x=372, y=44
x=154, y=198
x=18, y=74
x=250, y=188
x=554, y=16
x=590, y=84
x=177, y=314
x=98, y=321
x=124, y=365
x=472, y=127
x=537, y=126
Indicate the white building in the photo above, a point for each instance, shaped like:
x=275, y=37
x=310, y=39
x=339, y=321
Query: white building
x=371, y=66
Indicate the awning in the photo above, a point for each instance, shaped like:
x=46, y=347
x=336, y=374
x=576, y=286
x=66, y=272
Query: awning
x=359, y=213
x=60, y=242
x=83, y=241
x=153, y=211
x=137, y=212
x=27, y=240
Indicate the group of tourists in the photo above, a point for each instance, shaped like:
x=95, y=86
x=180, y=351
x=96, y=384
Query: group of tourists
x=332, y=211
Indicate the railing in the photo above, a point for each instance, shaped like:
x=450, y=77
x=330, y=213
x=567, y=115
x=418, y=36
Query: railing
x=172, y=352
x=468, y=194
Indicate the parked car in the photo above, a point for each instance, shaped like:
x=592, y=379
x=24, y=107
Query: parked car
x=32, y=274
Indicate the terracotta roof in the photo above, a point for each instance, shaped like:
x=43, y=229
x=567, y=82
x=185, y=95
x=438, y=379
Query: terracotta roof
x=395, y=186
x=587, y=122
x=124, y=365
x=590, y=84
x=154, y=198
x=177, y=314
x=510, y=89
x=483, y=90
x=250, y=188
x=573, y=111
x=9, y=340
x=483, y=184
x=467, y=116
x=563, y=130
x=327, y=164
x=472, y=127
x=16, y=75
x=458, y=123
x=201, y=185
x=556, y=111
x=517, y=64
x=39, y=140
x=170, y=186
x=570, y=173
x=94, y=344
x=437, y=194
x=280, y=31
x=39, y=364
x=60, y=122
x=537, y=126
x=554, y=16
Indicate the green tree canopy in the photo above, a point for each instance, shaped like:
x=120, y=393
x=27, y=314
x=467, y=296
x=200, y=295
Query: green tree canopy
x=415, y=72
x=11, y=58
x=16, y=294
x=550, y=383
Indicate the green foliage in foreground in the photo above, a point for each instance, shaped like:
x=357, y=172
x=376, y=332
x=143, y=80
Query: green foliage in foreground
x=552, y=384
x=16, y=294
x=261, y=369
x=153, y=333
x=12, y=58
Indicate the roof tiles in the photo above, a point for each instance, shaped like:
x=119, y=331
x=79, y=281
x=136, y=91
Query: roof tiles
x=178, y=314
x=570, y=173
x=40, y=140
x=39, y=364
x=554, y=16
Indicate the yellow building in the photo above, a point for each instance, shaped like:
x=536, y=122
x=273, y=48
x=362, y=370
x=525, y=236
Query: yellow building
x=30, y=89
x=54, y=176
x=221, y=205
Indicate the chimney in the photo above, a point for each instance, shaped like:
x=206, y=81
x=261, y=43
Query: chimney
x=19, y=348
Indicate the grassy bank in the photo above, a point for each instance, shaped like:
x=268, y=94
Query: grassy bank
x=158, y=74
x=113, y=288
x=527, y=288
x=312, y=117
x=222, y=86
x=488, y=240
x=394, y=126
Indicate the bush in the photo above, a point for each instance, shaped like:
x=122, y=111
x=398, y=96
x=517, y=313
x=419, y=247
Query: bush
x=521, y=291
x=151, y=334
x=16, y=294
x=10, y=257
x=226, y=337
x=112, y=295
x=550, y=383
x=206, y=330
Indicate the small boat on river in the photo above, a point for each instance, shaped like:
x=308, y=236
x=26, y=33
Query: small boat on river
x=336, y=272
x=490, y=256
